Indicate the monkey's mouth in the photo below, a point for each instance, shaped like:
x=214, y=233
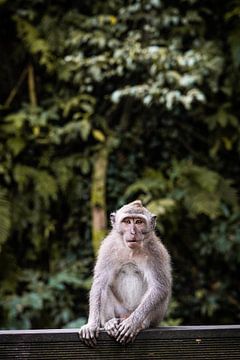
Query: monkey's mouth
x=132, y=242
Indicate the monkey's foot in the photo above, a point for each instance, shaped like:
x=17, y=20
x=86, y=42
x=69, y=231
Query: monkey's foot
x=111, y=326
x=88, y=334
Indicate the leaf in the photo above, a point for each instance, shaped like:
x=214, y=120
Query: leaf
x=34, y=42
x=201, y=202
x=227, y=143
x=200, y=190
x=82, y=104
x=45, y=185
x=15, y=120
x=16, y=145
x=161, y=206
x=72, y=130
x=85, y=128
x=98, y=135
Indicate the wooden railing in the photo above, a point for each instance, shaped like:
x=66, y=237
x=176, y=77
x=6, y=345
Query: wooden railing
x=182, y=342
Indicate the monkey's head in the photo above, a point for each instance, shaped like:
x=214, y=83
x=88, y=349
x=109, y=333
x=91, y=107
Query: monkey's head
x=133, y=221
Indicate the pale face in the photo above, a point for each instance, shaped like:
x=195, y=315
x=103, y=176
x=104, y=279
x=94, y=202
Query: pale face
x=133, y=229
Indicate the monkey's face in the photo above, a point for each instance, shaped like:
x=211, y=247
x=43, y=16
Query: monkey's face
x=133, y=230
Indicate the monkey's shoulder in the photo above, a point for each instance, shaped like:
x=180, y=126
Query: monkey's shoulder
x=156, y=247
x=107, y=245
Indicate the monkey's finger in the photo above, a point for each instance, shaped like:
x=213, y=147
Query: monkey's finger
x=92, y=337
x=118, y=338
x=89, y=343
x=85, y=338
x=126, y=338
x=112, y=327
x=92, y=341
x=112, y=333
x=122, y=328
x=116, y=327
x=83, y=332
x=88, y=337
x=131, y=338
x=121, y=335
x=81, y=335
x=114, y=330
x=128, y=335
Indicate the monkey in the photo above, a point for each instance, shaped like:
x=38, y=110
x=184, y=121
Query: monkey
x=132, y=280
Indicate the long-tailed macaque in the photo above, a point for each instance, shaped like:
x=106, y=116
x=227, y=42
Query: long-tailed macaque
x=132, y=278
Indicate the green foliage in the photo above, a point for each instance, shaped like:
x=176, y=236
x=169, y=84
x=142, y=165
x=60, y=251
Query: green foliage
x=35, y=303
x=153, y=86
x=5, y=218
x=188, y=194
x=34, y=42
x=232, y=18
x=198, y=189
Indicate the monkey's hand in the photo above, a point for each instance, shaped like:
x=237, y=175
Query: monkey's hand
x=127, y=331
x=111, y=326
x=88, y=334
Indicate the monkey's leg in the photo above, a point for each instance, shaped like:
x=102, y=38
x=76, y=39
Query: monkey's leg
x=113, y=313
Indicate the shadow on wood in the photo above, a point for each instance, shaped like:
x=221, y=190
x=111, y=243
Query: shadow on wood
x=182, y=342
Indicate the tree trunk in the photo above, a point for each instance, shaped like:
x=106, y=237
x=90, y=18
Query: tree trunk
x=31, y=86
x=98, y=198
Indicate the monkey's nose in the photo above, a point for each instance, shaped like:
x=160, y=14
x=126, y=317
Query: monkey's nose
x=133, y=231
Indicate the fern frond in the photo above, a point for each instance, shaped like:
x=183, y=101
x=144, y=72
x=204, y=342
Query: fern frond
x=44, y=184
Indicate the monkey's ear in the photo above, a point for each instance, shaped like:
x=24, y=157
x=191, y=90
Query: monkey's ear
x=153, y=221
x=113, y=218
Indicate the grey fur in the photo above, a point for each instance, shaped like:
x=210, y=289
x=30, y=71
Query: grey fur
x=131, y=286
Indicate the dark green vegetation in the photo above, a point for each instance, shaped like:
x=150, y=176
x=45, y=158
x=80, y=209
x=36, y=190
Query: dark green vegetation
x=101, y=103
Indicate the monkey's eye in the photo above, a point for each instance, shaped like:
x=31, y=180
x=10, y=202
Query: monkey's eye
x=139, y=221
x=127, y=221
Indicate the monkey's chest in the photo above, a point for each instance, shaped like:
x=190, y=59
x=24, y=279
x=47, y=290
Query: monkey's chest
x=130, y=285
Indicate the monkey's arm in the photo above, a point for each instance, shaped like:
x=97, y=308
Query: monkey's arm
x=89, y=332
x=141, y=318
x=95, y=298
x=102, y=272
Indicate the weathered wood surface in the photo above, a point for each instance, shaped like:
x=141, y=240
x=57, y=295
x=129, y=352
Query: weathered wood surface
x=182, y=342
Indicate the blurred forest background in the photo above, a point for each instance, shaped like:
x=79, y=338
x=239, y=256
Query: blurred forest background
x=101, y=103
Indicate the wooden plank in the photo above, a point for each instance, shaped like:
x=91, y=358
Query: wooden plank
x=183, y=342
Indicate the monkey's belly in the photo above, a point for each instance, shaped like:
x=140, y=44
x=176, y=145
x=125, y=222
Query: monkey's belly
x=129, y=286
